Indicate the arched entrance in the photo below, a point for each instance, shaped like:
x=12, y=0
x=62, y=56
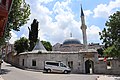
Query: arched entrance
x=89, y=67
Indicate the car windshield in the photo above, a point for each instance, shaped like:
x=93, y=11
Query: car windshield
x=62, y=65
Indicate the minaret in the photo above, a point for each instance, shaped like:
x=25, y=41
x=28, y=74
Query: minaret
x=83, y=28
x=71, y=35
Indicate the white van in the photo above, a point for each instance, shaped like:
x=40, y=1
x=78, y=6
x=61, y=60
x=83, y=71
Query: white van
x=56, y=66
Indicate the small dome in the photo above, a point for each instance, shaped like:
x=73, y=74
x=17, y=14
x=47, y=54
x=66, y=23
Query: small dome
x=71, y=41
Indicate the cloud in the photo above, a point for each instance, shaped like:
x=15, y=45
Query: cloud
x=93, y=33
x=104, y=10
x=33, y=2
x=58, y=30
x=45, y=1
x=57, y=23
x=62, y=7
x=88, y=13
x=13, y=38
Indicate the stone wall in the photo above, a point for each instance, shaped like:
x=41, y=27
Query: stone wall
x=75, y=57
x=100, y=67
x=78, y=59
x=103, y=68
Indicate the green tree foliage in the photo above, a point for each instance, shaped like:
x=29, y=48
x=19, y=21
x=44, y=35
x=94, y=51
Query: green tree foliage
x=100, y=51
x=21, y=45
x=111, y=35
x=2, y=41
x=18, y=16
x=33, y=34
x=109, y=51
x=47, y=45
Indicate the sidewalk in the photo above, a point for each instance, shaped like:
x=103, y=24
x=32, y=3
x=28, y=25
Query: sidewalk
x=108, y=78
x=1, y=78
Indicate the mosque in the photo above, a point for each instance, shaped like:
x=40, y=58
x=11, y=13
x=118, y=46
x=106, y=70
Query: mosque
x=81, y=58
x=73, y=44
x=72, y=52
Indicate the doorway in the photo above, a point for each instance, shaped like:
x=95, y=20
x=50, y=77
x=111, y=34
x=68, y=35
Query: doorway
x=89, y=67
x=22, y=62
x=70, y=64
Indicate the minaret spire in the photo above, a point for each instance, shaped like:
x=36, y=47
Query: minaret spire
x=83, y=28
x=82, y=16
x=82, y=13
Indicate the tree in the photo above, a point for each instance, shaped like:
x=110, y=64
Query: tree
x=111, y=35
x=18, y=16
x=33, y=34
x=47, y=45
x=21, y=45
x=100, y=51
x=2, y=41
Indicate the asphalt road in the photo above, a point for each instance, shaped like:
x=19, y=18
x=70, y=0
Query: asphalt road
x=12, y=73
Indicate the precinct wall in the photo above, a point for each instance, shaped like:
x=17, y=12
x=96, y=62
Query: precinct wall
x=111, y=66
x=75, y=60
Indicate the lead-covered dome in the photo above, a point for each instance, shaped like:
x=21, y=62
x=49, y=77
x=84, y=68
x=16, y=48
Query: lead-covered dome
x=71, y=41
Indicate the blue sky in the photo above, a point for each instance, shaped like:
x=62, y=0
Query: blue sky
x=58, y=18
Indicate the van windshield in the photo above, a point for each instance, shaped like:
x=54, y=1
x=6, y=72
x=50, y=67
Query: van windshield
x=62, y=65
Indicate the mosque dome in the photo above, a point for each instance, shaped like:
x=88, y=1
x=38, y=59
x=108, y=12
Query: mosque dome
x=71, y=41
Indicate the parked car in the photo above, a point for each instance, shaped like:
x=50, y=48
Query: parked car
x=56, y=66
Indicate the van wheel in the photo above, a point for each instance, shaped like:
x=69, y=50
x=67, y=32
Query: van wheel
x=65, y=72
x=48, y=70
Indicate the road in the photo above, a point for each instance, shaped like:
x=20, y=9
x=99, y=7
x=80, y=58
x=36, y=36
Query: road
x=12, y=73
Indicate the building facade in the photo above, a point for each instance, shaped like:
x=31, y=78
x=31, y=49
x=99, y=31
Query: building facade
x=77, y=61
x=73, y=44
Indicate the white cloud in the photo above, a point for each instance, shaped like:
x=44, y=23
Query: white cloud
x=13, y=38
x=45, y=1
x=42, y=10
x=101, y=11
x=56, y=25
x=104, y=10
x=65, y=22
x=33, y=2
x=56, y=31
x=61, y=7
x=88, y=13
x=93, y=33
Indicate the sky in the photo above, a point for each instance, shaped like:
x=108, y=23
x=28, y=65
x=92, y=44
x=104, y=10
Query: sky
x=58, y=18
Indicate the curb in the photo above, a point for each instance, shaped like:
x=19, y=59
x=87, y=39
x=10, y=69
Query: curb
x=35, y=70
